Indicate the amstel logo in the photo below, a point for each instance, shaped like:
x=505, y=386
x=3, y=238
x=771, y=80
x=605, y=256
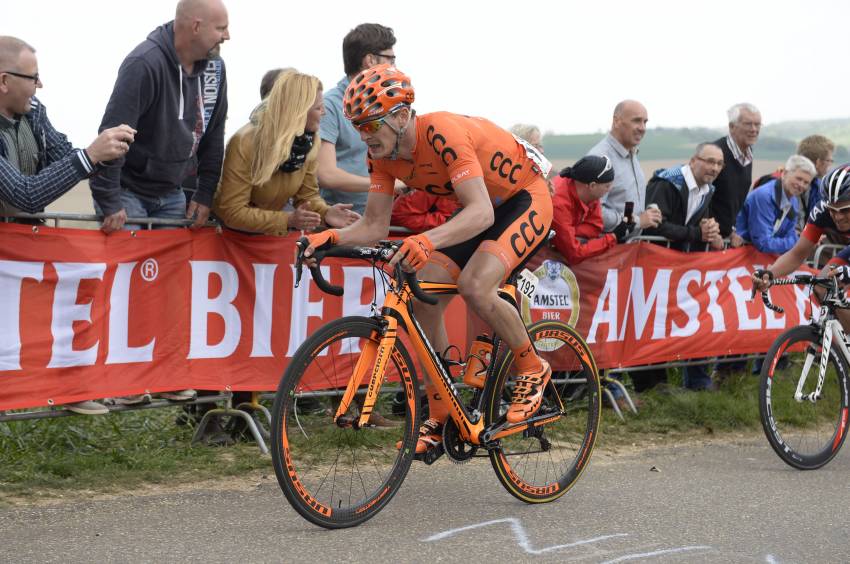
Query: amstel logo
x=556, y=296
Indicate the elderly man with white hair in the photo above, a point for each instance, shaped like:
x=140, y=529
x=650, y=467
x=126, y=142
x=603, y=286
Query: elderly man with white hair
x=770, y=212
x=733, y=183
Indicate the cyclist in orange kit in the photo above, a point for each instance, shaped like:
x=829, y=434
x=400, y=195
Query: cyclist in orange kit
x=505, y=214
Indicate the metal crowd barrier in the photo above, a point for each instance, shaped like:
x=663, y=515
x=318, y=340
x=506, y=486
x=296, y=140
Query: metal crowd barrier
x=241, y=410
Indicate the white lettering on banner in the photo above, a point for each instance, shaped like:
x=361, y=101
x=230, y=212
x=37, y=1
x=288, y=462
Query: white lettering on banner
x=221, y=305
x=642, y=304
x=802, y=296
x=66, y=311
x=687, y=304
x=120, y=351
x=263, y=300
x=12, y=275
x=741, y=296
x=351, y=304
x=607, y=315
x=303, y=309
x=712, y=277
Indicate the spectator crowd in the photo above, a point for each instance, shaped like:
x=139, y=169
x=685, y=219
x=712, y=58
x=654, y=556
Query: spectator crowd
x=299, y=164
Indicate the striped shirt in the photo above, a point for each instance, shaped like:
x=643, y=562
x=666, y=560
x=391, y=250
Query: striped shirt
x=743, y=157
x=58, y=169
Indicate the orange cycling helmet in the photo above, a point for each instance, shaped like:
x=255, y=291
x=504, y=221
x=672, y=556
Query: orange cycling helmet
x=377, y=92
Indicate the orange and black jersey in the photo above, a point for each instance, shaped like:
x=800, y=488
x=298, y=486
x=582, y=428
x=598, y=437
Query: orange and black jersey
x=452, y=148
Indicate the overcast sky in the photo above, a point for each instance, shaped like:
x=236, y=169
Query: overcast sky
x=561, y=65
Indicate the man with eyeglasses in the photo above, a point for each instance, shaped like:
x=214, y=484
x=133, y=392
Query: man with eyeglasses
x=343, y=175
x=37, y=163
x=733, y=183
x=830, y=217
x=683, y=194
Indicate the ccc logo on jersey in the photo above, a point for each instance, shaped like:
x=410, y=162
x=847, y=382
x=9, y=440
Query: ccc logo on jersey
x=505, y=167
x=444, y=190
x=438, y=143
x=529, y=231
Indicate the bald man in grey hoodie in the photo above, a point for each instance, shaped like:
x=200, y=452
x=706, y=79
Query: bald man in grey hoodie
x=172, y=89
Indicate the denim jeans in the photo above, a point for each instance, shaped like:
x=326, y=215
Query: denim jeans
x=171, y=205
x=695, y=377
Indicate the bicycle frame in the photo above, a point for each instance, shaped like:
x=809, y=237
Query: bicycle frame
x=831, y=328
x=396, y=310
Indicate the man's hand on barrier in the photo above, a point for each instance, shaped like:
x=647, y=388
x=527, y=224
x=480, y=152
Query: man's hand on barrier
x=762, y=279
x=650, y=217
x=709, y=229
x=341, y=215
x=114, y=222
x=199, y=212
x=413, y=253
x=736, y=240
x=304, y=219
x=111, y=144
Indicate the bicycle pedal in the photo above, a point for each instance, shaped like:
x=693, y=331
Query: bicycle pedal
x=431, y=455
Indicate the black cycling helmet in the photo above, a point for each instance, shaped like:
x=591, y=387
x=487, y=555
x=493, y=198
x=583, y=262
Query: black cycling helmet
x=836, y=185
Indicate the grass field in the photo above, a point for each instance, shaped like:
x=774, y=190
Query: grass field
x=70, y=457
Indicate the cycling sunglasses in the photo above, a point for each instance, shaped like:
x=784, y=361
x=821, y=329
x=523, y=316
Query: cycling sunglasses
x=369, y=127
x=839, y=209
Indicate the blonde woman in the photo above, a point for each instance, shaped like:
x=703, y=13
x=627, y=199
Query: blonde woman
x=273, y=159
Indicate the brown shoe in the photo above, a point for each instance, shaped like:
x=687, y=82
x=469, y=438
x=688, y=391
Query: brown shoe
x=379, y=420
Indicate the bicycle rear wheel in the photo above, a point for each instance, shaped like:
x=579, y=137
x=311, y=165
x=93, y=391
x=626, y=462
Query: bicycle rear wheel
x=542, y=463
x=806, y=433
x=338, y=474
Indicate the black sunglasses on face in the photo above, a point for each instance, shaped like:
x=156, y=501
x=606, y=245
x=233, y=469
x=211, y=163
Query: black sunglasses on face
x=34, y=77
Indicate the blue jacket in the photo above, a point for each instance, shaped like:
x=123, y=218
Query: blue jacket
x=757, y=220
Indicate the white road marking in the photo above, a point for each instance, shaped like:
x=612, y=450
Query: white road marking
x=521, y=536
x=656, y=553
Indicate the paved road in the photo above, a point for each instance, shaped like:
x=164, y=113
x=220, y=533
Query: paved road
x=712, y=502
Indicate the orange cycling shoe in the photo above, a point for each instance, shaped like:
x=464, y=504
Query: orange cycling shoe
x=430, y=436
x=528, y=393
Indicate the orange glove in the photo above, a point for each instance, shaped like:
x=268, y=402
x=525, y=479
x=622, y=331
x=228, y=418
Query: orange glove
x=322, y=239
x=416, y=250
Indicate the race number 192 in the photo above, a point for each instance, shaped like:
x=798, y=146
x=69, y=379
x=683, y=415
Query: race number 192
x=527, y=283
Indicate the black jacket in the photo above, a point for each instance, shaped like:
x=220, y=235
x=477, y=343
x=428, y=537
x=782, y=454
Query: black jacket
x=731, y=188
x=669, y=191
x=179, y=118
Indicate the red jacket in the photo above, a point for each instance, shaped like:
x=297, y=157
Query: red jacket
x=420, y=211
x=572, y=218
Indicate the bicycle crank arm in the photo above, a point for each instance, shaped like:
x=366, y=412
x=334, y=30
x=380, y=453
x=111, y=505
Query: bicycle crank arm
x=503, y=429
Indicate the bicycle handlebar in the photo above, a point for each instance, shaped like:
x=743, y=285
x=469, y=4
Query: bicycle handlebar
x=382, y=253
x=829, y=282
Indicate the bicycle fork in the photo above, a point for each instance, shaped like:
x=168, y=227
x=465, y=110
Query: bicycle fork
x=826, y=348
x=374, y=357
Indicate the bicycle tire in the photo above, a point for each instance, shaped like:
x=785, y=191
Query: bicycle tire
x=544, y=475
x=805, y=434
x=338, y=476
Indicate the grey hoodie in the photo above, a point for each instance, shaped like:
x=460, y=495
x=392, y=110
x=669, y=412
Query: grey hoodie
x=179, y=119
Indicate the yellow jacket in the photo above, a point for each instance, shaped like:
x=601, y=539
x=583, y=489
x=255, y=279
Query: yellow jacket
x=258, y=209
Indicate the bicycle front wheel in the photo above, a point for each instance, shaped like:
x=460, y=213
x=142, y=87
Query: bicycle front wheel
x=805, y=426
x=336, y=473
x=543, y=462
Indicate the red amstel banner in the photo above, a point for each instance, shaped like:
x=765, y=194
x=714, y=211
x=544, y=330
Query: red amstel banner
x=86, y=316
x=642, y=303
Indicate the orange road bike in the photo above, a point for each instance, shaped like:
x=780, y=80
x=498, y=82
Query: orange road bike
x=347, y=410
